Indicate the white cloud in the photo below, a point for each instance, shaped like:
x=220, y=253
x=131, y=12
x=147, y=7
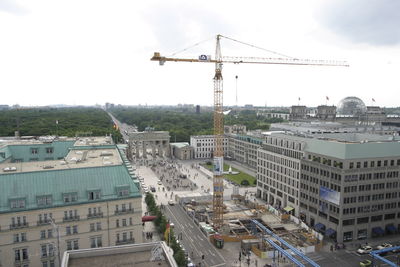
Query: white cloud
x=86, y=52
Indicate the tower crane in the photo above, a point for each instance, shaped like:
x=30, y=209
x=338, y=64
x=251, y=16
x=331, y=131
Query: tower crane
x=219, y=60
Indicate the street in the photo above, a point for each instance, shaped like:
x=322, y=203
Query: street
x=193, y=240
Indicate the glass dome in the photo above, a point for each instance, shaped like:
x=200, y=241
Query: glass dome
x=351, y=106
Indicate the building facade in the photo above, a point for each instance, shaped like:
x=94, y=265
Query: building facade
x=182, y=151
x=65, y=195
x=243, y=148
x=204, y=146
x=326, y=112
x=298, y=113
x=344, y=185
x=278, y=172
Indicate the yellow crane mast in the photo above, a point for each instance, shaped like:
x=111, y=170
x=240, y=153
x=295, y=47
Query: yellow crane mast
x=218, y=155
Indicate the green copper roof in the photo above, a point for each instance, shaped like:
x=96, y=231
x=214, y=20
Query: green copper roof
x=5, y=153
x=23, y=152
x=56, y=182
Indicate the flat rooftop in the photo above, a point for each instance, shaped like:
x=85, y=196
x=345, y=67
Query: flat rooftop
x=81, y=158
x=138, y=255
x=347, y=145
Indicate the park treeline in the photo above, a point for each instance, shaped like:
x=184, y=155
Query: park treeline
x=76, y=121
x=182, y=124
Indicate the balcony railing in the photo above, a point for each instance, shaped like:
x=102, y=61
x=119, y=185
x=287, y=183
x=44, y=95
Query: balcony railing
x=95, y=215
x=19, y=225
x=126, y=211
x=43, y=222
x=70, y=219
x=124, y=242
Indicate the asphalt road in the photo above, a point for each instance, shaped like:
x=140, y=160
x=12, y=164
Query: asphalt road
x=193, y=240
x=346, y=258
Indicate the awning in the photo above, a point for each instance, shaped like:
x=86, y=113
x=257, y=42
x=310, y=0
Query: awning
x=319, y=226
x=148, y=218
x=288, y=208
x=378, y=231
x=391, y=229
x=330, y=232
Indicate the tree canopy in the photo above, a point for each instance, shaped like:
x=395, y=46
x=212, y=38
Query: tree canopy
x=81, y=121
x=182, y=124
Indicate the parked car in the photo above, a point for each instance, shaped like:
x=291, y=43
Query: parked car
x=171, y=202
x=364, y=250
x=397, y=244
x=152, y=189
x=384, y=245
x=365, y=263
x=159, y=182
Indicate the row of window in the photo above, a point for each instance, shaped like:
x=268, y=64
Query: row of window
x=283, y=151
x=47, y=200
x=69, y=215
x=372, y=164
x=35, y=150
x=47, y=251
x=376, y=218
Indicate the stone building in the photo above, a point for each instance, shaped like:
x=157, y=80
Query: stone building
x=80, y=190
x=298, y=113
x=204, y=146
x=326, y=112
x=182, y=151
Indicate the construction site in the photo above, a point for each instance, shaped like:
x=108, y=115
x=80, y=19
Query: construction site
x=240, y=213
x=259, y=228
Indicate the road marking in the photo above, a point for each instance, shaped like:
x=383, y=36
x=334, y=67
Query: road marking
x=198, y=230
x=221, y=264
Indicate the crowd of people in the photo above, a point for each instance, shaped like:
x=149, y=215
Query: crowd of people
x=173, y=175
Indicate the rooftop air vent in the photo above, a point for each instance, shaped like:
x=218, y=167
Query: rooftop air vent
x=10, y=169
x=48, y=167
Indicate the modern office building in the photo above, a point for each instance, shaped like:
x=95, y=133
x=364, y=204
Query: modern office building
x=345, y=185
x=58, y=195
x=204, y=146
x=243, y=148
x=278, y=171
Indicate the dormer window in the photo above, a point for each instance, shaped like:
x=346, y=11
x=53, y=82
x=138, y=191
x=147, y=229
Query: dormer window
x=70, y=197
x=45, y=200
x=122, y=190
x=18, y=203
x=94, y=194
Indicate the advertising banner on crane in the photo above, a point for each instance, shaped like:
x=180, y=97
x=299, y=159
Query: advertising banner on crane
x=218, y=165
x=204, y=57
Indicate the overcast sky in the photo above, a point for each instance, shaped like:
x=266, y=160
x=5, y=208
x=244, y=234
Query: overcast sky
x=86, y=52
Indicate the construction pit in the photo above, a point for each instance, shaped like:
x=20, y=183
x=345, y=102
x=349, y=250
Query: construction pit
x=238, y=226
